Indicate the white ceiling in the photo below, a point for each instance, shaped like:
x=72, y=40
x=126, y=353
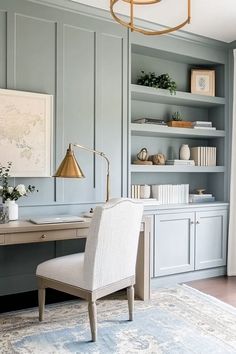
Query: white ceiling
x=210, y=18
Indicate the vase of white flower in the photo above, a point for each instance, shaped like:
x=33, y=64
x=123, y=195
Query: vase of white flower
x=10, y=194
x=12, y=209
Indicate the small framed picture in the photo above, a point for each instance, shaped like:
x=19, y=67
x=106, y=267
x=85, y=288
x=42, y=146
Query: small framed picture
x=203, y=82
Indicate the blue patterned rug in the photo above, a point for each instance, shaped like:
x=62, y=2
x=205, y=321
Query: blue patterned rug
x=176, y=321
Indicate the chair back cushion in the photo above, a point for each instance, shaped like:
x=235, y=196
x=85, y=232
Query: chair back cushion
x=112, y=243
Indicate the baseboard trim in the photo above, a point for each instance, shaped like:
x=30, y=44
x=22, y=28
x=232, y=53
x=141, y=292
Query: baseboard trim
x=172, y=280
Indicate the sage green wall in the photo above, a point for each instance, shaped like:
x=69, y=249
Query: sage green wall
x=79, y=55
x=82, y=61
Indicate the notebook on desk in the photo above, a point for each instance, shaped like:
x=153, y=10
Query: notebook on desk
x=54, y=219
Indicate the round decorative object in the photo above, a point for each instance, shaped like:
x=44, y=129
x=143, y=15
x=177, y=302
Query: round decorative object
x=142, y=155
x=145, y=191
x=200, y=191
x=184, y=153
x=12, y=209
x=159, y=159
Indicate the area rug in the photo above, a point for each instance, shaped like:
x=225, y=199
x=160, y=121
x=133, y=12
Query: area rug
x=180, y=320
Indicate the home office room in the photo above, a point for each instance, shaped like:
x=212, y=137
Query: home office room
x=117, y=211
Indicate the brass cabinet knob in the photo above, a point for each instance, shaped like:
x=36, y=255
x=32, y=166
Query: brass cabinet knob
x=197, y=222
x=43, y=236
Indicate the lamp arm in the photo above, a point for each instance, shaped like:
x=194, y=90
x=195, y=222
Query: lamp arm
x=108, y=165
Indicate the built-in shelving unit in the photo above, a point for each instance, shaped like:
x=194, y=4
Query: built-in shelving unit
x=148, y=102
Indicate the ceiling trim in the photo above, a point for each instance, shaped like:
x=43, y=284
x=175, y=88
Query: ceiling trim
x=104, y=14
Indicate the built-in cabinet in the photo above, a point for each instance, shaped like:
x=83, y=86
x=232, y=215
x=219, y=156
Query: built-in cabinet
x=210, y=238
x=189, y=239
x=186, y=238
x=173, y=243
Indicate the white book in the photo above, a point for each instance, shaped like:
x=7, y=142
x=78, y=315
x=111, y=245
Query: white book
x=138, y=191
x=204, y=128
x=201, y=156
x=200, y=195
x=202, y=122
x=195, y=155
x=132, y=191
x=207, y=152
x=180, y=162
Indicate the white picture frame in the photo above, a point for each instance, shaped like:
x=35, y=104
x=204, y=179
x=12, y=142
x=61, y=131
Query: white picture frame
x=26, y=132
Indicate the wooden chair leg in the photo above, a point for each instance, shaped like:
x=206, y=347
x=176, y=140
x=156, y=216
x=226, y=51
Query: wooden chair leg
x=130, y=296
x=41, y=301
x=92, y=310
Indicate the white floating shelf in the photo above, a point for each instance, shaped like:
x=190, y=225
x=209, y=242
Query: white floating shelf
x=174, y=169
x=163, y=131
x=150, y=94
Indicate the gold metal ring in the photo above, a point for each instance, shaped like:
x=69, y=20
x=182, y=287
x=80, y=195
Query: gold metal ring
x=134, y=28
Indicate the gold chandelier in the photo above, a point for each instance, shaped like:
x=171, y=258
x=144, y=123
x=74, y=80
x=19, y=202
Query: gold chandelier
x=134, y=28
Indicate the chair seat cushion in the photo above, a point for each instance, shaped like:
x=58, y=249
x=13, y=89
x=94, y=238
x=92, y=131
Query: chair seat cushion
x=67, y=269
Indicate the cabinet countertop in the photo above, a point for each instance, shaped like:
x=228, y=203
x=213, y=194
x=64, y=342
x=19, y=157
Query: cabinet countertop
x=155, y=207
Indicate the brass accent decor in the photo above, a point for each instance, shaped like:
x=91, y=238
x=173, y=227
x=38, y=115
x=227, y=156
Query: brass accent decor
x=69, y=167
x=135, y=28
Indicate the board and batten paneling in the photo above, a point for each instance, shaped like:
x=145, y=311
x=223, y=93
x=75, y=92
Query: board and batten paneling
x=82, y=62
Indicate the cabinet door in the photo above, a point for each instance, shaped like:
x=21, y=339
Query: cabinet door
x=211, y=239
x=174, y=243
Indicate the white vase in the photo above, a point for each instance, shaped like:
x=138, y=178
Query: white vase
x=12, y=209
x=184, y=153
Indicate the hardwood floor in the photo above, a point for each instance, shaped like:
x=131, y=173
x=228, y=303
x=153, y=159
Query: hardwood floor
x=223, y=288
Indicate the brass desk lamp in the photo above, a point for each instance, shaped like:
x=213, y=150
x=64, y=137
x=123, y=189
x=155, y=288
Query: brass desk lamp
x=69, y=167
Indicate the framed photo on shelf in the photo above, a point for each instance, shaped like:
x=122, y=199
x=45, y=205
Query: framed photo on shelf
x=203, y=82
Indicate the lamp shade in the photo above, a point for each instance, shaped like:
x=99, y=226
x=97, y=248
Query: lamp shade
x=69, y=168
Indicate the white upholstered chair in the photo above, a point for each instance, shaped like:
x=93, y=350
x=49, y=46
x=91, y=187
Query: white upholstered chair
x=107, y=265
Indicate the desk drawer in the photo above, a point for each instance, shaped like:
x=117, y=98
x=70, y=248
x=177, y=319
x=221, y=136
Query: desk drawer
x=2, y=239
x=40, y=236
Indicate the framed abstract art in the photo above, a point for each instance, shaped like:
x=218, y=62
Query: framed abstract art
x=26, y=132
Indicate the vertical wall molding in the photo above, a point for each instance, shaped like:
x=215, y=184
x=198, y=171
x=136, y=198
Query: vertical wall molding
x=11, y=50
x=59, y=111
x=3, y=52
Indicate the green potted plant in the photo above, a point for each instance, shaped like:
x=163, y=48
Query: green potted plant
x=178, y=122
x=163, y=81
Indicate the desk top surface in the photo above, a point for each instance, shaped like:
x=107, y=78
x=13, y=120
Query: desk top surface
x=27, y=226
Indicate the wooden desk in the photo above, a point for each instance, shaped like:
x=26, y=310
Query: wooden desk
x=24, y=232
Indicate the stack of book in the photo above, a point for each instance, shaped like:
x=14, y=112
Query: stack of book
x=135, y=191
x=171, y=193
x=201, y=198
x=198, y=124
x=150, y=121
x=180, y=162
x=204, y=155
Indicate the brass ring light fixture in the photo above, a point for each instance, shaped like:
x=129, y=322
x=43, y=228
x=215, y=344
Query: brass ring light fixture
x=134, y=28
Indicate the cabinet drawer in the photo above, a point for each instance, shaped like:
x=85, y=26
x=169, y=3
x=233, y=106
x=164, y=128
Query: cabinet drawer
x=40, y=236
x=2, y=239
